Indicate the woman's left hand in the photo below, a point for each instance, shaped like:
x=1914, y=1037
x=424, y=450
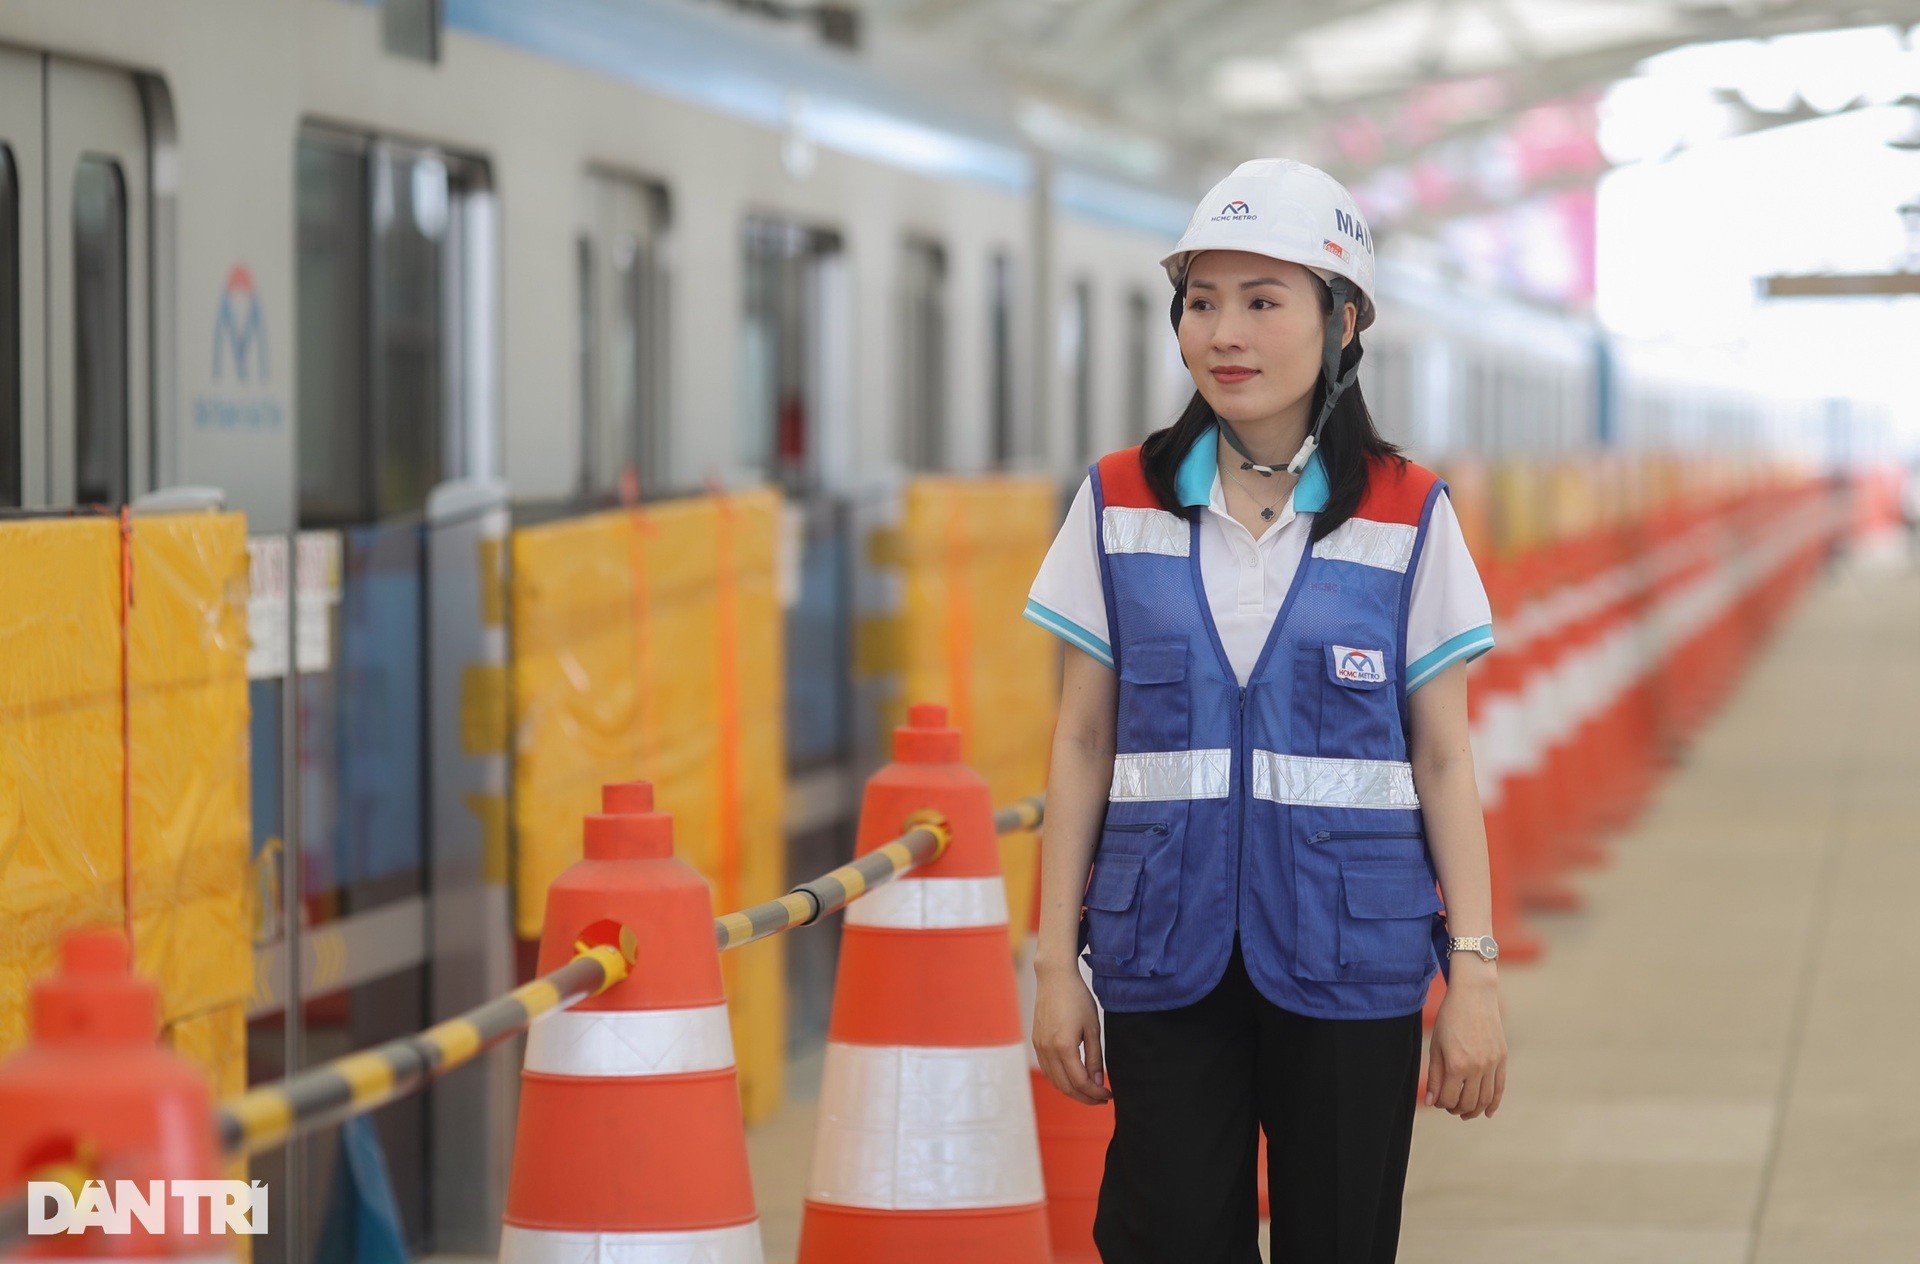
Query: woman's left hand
x=1467, y=1057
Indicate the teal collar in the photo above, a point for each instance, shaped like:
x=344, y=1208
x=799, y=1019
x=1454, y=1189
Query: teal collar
x=1194, y=479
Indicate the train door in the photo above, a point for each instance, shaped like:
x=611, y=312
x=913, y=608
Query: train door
x=386, y=890
x=75, y=424
x=794, y=431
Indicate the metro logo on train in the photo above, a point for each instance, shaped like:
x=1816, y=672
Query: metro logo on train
x=238, y=397
x=1367, y=666
x=239, y=329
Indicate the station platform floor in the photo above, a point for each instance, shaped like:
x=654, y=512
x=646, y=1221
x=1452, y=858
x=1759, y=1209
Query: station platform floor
x=1713, y=1062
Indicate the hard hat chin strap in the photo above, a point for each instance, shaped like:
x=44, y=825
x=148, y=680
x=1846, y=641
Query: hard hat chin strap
x=1330, y=366
x=1337, y=385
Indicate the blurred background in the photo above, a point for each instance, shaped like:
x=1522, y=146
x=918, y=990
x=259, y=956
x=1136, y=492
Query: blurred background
x=530, y=393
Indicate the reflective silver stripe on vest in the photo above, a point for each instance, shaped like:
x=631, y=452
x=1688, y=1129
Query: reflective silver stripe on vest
x=631, y=1042
x=1310, y=781
x=1144, y=531
x=1388, y=545
x=1201, y=774
x=932, y=904
x=926, y=1129
x=735, y=1244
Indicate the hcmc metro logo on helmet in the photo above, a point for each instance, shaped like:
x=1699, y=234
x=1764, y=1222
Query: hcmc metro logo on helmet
x=1235, y=209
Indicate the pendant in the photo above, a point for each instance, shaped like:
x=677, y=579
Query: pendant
x=1266, y=515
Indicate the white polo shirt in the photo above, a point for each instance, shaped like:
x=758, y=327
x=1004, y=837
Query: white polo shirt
x=1246, y=579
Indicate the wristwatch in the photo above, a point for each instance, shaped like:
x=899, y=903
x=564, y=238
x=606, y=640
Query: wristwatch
x=1482, y=944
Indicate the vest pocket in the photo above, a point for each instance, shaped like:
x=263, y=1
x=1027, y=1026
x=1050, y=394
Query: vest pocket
x=1386, y=935
x=1366, y=904
x=1153, y=702
x=1113, y=914
x=1133, y=900
x=1343, y=699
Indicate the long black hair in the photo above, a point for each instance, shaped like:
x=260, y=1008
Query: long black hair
x=1346, y=441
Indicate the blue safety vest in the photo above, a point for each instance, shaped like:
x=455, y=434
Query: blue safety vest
x=1283, y=812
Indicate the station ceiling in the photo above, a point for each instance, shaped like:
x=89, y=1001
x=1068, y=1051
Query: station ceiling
x=1176, y=89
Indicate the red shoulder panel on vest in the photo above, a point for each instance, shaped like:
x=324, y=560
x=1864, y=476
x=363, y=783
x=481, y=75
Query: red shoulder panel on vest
x=1396, y=491
x=1123, y=481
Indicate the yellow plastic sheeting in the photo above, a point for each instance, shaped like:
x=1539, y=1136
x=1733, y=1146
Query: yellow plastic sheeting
x=187, y=663
x=1520, y=509
x=69, y=769
x=216, y=1042
x=970, y=548
x=647, y=643
x=576, y=705
x=61, y=832
x=1470, y=488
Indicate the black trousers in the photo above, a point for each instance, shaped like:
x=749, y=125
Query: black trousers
x=1192, y=1087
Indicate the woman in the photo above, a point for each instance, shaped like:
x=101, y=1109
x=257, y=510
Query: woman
x=1262, y=756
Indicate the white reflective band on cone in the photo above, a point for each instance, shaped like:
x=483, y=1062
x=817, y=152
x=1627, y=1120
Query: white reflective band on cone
x=737, y=1244
x=1312, y=781
x=1160, y=775
x=932, y=904
x=1145, y=531
x=631, y=1042
x=902, y=1128
x=1387, y=545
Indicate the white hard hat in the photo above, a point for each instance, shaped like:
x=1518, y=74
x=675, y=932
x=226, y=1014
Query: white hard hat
x=1284, y=210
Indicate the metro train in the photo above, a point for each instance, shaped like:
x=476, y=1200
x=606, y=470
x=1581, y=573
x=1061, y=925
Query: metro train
x=319, y=258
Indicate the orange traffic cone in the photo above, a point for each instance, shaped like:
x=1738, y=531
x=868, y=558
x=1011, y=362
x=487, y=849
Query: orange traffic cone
x=94, y=1096
x=631, y=1144
x=925, y=1148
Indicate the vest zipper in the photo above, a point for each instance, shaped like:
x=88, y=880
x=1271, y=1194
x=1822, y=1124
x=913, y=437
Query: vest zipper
x=1243, y=757
x=1141, y=827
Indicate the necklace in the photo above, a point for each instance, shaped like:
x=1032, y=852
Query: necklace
x=1266, y=510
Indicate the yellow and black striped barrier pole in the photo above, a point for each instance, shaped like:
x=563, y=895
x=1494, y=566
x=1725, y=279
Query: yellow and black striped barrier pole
x=811, y=901
x=266, y=1116
x=1023, y=815
x=835, y=889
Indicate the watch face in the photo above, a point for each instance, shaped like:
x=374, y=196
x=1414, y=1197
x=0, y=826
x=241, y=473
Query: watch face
x=1489, y=949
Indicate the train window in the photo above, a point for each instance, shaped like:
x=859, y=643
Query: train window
x=621, y=275
x=100, y=331
x=395, y=325
x=9, y=332
x=1139, y=362
x=412, y=200
x=1000, y=351
x=411, y=28
x=332, y=231
x=1076, y=345
x=789, y=385
x=587, y=297
x=923, y=355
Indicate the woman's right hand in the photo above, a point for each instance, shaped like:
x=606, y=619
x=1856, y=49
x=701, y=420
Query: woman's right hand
x=1065, y=1022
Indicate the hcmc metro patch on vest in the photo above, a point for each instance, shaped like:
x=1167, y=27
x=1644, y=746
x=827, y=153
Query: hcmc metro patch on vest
x=1368, y=666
